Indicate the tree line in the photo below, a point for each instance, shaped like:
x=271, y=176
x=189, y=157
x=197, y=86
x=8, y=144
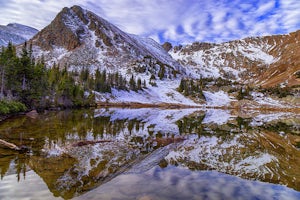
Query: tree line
x=27, y=80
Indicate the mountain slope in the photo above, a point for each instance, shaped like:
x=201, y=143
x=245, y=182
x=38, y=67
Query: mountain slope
x=265, y=61
x=16, y=33
x=77, y=38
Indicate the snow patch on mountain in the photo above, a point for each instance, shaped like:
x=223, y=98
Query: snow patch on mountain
x=16, y=33
x=227, y=60
x=255, y=52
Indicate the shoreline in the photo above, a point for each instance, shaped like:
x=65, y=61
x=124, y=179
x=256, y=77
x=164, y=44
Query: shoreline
x=204, y=106
x=136, y=105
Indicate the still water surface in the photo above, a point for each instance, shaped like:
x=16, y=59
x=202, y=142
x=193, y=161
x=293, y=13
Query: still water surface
x=152, y=154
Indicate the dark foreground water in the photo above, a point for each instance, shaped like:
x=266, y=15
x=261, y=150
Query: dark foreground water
x=152, y=154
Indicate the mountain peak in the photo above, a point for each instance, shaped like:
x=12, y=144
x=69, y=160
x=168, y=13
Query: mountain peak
x=77, y=9
x=79, y=38
x=15, y=33
x=64, y=31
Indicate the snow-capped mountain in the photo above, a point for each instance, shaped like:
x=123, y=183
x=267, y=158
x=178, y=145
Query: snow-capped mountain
x=265, y=61
x=16, y=33
x=78, y=37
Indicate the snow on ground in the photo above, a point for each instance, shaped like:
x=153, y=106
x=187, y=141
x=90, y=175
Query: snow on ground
x=165, y=92
x=156, y=50
x=233, y=71
x=254, y=52
x=219, y=98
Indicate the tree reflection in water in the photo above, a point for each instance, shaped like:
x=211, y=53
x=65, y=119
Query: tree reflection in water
x=141, y=140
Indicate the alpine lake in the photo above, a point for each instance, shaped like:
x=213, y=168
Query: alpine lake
x=151, y=153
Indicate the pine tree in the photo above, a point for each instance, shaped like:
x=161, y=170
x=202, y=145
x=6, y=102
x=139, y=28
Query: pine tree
x=39, y=87
x=161, y=72
x=116, y=80
x=139, y=84
x=98, y=81
x=181, y=85
x=2, y=72
x=240, y=95
x=152, y=80
x=102, y=82
x=84, y=75
x=132, y=83
x=25, y=67
x=10, y=67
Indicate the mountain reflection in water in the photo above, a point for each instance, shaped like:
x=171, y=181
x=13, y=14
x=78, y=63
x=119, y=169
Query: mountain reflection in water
x=159, y=154
x=181, y=183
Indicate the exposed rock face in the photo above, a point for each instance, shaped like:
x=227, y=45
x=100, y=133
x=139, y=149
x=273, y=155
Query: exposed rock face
x=265, y=61
x=57, y=34
x=287, y=52
x=79, y=38
x=167, y=46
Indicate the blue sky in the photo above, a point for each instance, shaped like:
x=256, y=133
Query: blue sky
x=177, y=21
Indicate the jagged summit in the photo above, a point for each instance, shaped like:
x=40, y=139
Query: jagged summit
x=15, y=33
x=78, y=38
x=67, y=30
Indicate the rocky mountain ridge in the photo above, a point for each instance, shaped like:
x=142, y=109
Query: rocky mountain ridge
x=15, y=33
x=265, y=61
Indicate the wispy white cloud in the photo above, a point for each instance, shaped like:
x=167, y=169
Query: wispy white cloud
x=178, y=21
x=289, y=14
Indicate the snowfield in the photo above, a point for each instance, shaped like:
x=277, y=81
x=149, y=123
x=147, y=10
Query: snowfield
x=224, y=59
x=165, y=92
x=216, y=99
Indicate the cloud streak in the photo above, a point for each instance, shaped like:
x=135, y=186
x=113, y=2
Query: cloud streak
x=179, y=21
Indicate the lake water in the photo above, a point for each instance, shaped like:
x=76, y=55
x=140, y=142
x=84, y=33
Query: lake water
x=151, y=153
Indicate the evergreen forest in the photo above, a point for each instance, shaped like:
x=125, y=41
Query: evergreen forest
x=26, y=83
